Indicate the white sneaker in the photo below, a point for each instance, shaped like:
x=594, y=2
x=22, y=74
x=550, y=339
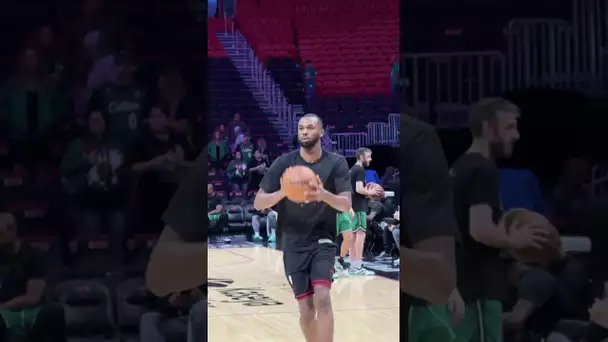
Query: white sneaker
x=360, y=271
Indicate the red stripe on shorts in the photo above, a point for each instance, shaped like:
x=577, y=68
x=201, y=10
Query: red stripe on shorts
x=322, y=282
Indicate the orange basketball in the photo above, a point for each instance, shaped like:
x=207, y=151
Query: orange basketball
x=552, y=249
x=295, y=182
x=372, y=185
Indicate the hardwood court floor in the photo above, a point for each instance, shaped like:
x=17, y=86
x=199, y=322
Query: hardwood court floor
x=250, y=301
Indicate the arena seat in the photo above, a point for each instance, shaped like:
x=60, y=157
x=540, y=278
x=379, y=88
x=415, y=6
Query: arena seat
x=236, y=217
x=132, y=300
x=352, y=53
x=248, y=211
x=88, y=308
x=268, y=36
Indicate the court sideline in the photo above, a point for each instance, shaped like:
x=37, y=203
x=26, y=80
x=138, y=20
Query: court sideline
x=250, y=300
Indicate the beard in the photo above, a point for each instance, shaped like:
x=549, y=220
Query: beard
x=498, y=150
x=310, y=143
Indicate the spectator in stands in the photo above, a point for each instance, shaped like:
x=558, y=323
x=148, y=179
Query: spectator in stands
x=395, y=77
x=79, y=94
x=257, y=168
x=240, y=138
x=218, y=151
x=236, y=127
x=388, y=176
x=377, y=213
x=174, y=101
x=543, y=296
x=237, y=173
x=246, y=148
x=31, y=109
x=371, y=176
x=51, y=58
x=158, y=157
x=92, y=171
x=123, y=100
x=101, y=62
x=174, y=318
x=223, y=132
x=262, y=148
x=271, y=224
x=310, y=82
x=22, y=307
x=570, y=202
x=519, y=188
x=214, y=205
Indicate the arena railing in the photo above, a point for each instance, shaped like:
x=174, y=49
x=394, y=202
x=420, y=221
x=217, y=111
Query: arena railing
x=348, y=143
x=377, y=133
x=446, y=83
x=264, y=82
x=553, y=53
x=539, y=53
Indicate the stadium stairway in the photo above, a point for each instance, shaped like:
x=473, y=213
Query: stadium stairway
x=229, y=95
x=239, y=52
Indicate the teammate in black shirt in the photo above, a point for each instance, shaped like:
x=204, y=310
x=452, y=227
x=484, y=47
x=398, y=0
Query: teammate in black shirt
x=482, y=271
x=309, y=230
x=428, y=267
x=353, y=224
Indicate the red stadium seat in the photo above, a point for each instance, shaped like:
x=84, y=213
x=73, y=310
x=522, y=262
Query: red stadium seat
x=349, y=42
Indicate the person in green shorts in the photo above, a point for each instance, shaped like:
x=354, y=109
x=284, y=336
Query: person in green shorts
x=344, y=225
x=482, y=270
x=360, y=203
x=429, y=302
x=24, y=316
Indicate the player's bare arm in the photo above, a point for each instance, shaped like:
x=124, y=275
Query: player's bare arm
x=484, y=230
x=429, y=269
x=265, y=200
x=360, y=189
x=340, y=202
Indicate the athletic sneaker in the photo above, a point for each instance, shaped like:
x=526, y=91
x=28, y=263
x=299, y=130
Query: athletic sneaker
x=344, y=263
x=257, y=237
x=360, y=271
x=396, y=263
x=383, y=256
x=226, y=239
x=338, y=270
x=272, y=238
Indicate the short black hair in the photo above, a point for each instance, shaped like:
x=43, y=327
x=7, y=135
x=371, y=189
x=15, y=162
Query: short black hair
x=362, y=151
x=315, y=116
x=486, y=110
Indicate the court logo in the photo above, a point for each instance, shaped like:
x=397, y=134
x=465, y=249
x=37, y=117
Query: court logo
x=216, y=282
x=248, y=296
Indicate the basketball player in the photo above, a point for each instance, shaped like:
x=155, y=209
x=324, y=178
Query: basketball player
x=482, y=271
x=178, y=262
x=427, y=254
x=354, y=226
x=309, y=229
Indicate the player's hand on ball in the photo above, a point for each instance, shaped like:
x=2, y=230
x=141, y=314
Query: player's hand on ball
x=524, y=236
x=315, y=192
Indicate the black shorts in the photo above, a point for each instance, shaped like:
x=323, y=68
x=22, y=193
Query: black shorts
x=307, y=269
